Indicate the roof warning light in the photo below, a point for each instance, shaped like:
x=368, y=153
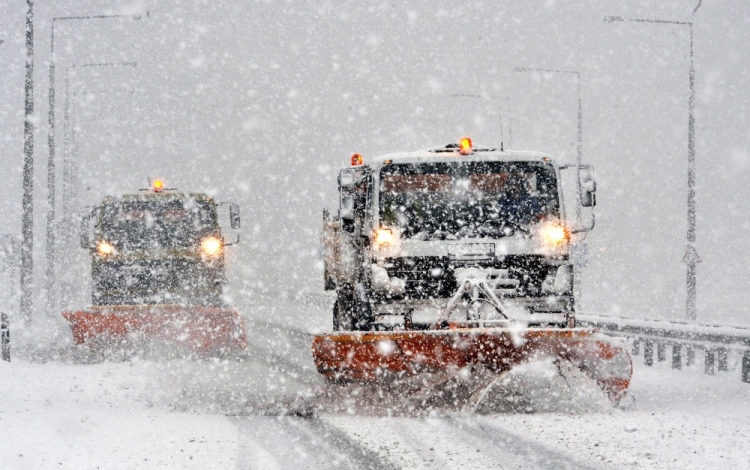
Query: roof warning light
x=357, y=160
x=464, y=148
x=158, y=185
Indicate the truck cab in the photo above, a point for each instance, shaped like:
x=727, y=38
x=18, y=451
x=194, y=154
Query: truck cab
x=158, y=246
x=412, y=226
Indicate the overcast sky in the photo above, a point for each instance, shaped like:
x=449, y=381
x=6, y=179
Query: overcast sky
x=262, y=102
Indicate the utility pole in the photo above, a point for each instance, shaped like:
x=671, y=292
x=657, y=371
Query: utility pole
x=27, y=218
x=691, y=257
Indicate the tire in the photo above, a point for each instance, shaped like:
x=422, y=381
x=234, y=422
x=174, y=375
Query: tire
x=336, y=326
x=362, y=309
x=344, y=311
x=329, y=283
x=570, y=312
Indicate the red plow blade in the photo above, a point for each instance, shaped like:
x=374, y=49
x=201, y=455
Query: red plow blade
x=199, y=328
x=387, y=355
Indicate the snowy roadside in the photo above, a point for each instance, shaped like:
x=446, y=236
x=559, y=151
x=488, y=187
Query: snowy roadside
x=679, y=420
x=101, y=416
x=172, y=415
x=226, y=414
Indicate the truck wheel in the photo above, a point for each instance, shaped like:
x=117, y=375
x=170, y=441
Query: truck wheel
x=570, y=313
x=329, y=283
x=343, y=311
x=99, y=297
x=336, y=326
x=362, y=308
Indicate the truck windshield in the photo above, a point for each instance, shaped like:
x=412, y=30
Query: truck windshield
x=434, y=201
x=157, y=224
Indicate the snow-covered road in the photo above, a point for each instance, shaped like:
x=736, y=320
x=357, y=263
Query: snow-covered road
x=234, y=414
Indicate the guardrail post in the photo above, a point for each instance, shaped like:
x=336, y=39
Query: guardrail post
x=676, y=357
x=723, y=358
x=648, y=353
x=636, y=346
x=4, y=337
x=708, y=365
x=746, y=367
x=661, y=352
x=690, y=355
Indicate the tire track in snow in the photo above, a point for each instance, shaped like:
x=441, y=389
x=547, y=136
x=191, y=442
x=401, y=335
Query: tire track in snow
x=288, y=350
x=289, y=442
x=516, y=451
x=450, y=442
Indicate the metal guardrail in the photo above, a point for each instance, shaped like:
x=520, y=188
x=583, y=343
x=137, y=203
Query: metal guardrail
x=716, y=341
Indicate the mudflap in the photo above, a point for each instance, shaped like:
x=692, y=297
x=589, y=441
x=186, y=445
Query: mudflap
x=204, y=329
x=393, y=357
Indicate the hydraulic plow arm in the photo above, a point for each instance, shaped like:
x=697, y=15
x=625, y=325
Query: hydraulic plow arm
x=473, y=289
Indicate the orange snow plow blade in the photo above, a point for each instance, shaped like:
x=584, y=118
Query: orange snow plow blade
x=199, y=328
x=387, y=355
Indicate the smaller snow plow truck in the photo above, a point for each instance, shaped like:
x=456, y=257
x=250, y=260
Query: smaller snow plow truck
x=454, y=259
x=158, y=273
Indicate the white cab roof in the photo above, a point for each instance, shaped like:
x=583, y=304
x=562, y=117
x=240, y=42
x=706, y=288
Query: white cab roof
x=448, y=154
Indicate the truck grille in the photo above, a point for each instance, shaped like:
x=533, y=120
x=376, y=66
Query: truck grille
x=151, y=275
x=422, y=279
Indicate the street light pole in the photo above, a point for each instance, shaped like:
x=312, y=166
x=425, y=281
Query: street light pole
x=51, y=232
x=27, y=218
x=578, y=260
x=691, y=257
x=67, y=162
x=66, y=225
x=579, y=135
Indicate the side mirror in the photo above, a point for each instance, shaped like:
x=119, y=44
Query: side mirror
x=346, y=212
x=587, y=185
x=354, y=186
x=234, y=215
x=347, y=178
x=88, y=214
x=585, y=194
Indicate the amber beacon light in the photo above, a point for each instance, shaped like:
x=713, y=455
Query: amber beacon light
x=464, y=147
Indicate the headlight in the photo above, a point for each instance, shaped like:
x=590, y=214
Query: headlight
x=554, y=234
x=386, y=243
x=384, y=237
x=104, y=248
x=211, y=246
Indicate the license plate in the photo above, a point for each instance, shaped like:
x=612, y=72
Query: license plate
x=134, y=269
x=472, y=250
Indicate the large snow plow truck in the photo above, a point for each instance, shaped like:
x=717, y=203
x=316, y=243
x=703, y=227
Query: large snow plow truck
x=158, y=273
x=454, y=259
